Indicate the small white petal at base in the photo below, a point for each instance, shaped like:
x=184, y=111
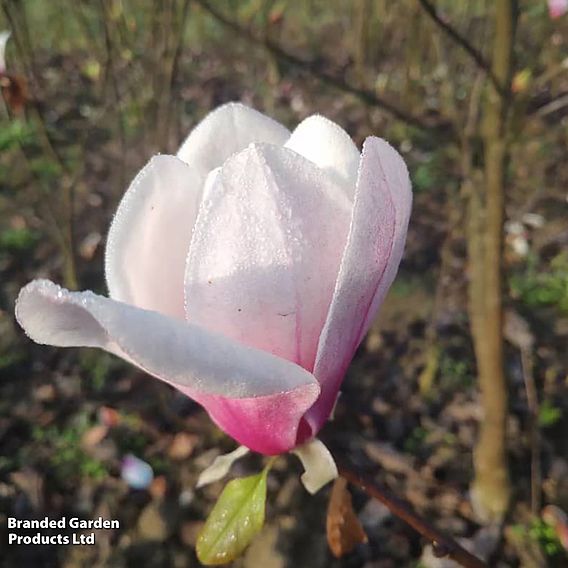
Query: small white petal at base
x=220, y=466
x=319, y=465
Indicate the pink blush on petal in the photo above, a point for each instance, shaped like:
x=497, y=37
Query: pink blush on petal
x=265, y=424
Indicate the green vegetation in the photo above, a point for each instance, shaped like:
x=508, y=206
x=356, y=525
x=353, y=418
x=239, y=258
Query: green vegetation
x=455, y=374
x=18, y=241
x=67, y=459
x=549, y=415
x=99, y=367
x=14, y=133
x=545, y=536
x=538, y=287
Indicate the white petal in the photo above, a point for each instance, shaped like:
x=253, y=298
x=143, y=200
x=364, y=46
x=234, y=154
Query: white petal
x=149, y=236
x=220, y=466
x=266, y=250
x=319, y=465
x=395, y=177
x=327, y=145
x=370, y=261
x=225, y=131
x=187, y=356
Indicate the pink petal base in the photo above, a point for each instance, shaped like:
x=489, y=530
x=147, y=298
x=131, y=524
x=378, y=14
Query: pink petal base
x=255, y=397
x=266, y=424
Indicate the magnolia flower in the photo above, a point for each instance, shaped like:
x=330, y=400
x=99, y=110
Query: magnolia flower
x=557, y=8
x=244, y=271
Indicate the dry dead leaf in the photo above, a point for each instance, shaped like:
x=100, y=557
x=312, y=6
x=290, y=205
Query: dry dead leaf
x=30, y=482
x=182, y=446
x=517, y=330
x=158, y=487
x=94, y=436
x=44, y=393
x=89, y=245
x=390, y=459
x=344, y=531
x=109, y=416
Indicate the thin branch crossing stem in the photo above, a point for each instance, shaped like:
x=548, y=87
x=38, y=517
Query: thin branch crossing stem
x=464, y=43
x=367, y=96
x=444, y=546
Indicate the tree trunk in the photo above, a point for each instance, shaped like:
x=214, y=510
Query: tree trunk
x=491, y=488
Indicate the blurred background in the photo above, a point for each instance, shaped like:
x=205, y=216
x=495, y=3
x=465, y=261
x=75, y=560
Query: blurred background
x=92, y=89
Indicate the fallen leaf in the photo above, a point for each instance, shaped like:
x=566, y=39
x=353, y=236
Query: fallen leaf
x=94, y=436
x=390, y=459
x=109, y=416
x=158, y=487
x=182, y=446
x=30, y=482
x=152, y=524
x=517, y=330
x=44, y=393
x=89, y=245
x=344, y=531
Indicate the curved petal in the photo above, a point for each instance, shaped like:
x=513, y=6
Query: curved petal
x=220, y=467
x=265, y=252
x=370, y=261
x=319, y=465
x=397, y=178
x=225, y=131
x=267, y=424
x=327, y=145
x=213, y=370
x=150, y=234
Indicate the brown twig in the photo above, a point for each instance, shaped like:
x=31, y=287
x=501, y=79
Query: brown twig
x=443, y=545
x=111, y=74
x=65, y=235
x=473, y=52
x=367, y=96
x=169, y=64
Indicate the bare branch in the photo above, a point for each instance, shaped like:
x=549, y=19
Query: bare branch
x=443, y=545
x=473, y=52
x=311, y=67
